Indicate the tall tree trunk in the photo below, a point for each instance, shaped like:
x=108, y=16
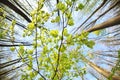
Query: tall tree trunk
x=14, y=8
x=21, y=7
x=10, y=45
x=104, y=1
x=109, y=23
x=102, y=71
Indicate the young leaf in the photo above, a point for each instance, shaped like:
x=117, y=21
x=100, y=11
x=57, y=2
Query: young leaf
x=54, y=33
x=90, y=44
x=30, y=51
x=65, y=32
x=31, y=26
x=21, y=50
x=61, y=6
x=57, y=19
x=80, y=6
x=12, y=48
x=30, y=57
x=69, y=2
x=63, y=48
x=70, y=22
x=97, y=32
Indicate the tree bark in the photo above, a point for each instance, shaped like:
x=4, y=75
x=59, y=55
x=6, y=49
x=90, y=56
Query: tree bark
x=104, y=1
x=21, y=7
x=14, y=8
x=10, y=45
x=109, y=23
x=100, y=70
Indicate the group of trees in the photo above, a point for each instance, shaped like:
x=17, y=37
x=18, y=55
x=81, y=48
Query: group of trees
x=59, y=39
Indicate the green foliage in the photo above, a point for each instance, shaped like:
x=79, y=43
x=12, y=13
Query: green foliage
x=54, y=33
x=21, y=51
x=31, y=26
x=90, y=44
x=61, y=6
x=65, y=33
x=3, y=24
x=12, y=48
x=79, y=7
x=98, y=32
x=69, y=2
x=70, y=22
x=54, y=45
x=30, y=51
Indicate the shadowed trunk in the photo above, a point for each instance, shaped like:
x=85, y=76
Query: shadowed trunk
x=100, y=70
x=109, y=23
x=14, y=8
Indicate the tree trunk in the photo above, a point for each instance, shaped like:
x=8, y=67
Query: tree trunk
x=10, y=45
x=109, y=23
x=14, y=8
x=100, y=70
x=104, y=1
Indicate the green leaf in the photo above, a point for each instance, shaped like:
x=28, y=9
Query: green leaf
x=57, y=19
x=61, y=6
x=31, y=74
x=21, y=50
x=63, y=48
x=30, y=57
x=97, y=32
x=80, y=6
x=52, y=21
x=69, y=2
x=69, y=39
x=13, y=22
x=45, y=49
x=12, y=48
x=23, y=60
x=73, y=0
x=70, y=22
x=65, y=33
x=68, y=14
x=1, y=35
x=54, y=33
x=11, y=27
x=29, y=68
x=30, y=51
x=90, y=44
x=31, y=26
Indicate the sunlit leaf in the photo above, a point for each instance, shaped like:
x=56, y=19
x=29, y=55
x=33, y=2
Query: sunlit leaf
x=54, y=33
x=70, y=22
x=12, y=48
